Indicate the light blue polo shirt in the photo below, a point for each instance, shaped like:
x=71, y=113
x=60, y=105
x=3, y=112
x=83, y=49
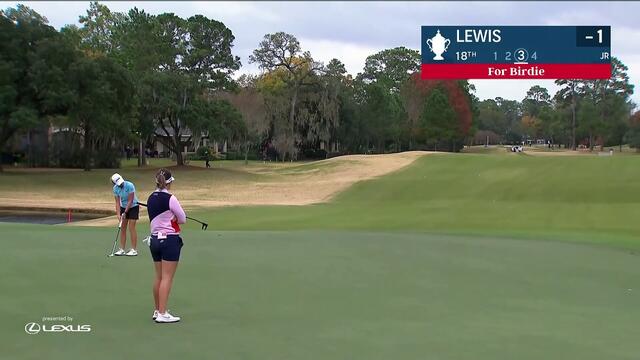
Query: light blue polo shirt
x=124, y=192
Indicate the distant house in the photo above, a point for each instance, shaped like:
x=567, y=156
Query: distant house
x=44, y=145
x=192, y=143
x=161, y=138
x=32, y=145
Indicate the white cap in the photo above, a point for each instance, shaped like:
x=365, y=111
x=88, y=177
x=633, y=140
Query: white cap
x=168, y=178
x=117, y=179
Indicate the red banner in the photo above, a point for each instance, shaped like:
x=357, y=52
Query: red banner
x=516, y=71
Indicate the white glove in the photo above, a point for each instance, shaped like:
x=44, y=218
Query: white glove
x=147, y=240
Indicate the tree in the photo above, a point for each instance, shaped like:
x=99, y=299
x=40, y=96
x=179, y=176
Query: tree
x=531, y=126
x=341, y=83
x=97, y=97
x=438, y=119
x=320, y=113
x=459, y=95
x=193, y=59
x=492, y=118
x=383, y=112
x=617, y=131
x=589, y=122
x=552, y=124
x=391, y=67
x=143, y=48
x=535, y=105
x=536, y=100
x=281, y=52
x=277, y=108
x=228, y=122
x=98, y=27
x=347, y=134
x=611, y=98
x=136, y=49
x=633, y=135
x=22, y=33
x=101, y=35
x=388, y=71
x=316, y=114
x=251, y=104
x=568, y=94
x=617, y=84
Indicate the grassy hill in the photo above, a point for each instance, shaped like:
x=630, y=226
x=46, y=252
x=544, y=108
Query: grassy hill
x=585, y=198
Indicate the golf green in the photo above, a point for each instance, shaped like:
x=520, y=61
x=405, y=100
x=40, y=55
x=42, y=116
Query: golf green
x=322, y=295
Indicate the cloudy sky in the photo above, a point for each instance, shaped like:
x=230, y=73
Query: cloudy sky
x=350, y=31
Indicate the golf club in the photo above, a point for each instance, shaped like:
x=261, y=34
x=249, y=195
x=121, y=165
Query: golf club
x=113, y=250
x=204, y=224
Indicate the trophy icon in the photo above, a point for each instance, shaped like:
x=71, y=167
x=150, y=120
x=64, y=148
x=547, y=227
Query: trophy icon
x=438, y=45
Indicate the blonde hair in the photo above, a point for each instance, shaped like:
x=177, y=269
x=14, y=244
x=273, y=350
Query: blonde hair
x=161, y=178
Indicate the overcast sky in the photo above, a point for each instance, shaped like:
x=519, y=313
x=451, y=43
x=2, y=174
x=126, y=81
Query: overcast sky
x=350, y=31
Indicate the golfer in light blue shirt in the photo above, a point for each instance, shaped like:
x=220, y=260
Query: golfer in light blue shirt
x=128, y=213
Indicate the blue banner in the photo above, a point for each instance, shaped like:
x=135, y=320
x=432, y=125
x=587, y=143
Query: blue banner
x=516, y=44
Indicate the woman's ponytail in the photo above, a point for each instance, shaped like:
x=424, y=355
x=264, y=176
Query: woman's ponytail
x=161, y=180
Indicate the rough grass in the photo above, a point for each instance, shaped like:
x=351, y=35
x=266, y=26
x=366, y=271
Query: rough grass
x=227, y=183
x=93, y=187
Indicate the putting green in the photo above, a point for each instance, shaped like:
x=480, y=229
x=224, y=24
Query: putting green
x=322, y=295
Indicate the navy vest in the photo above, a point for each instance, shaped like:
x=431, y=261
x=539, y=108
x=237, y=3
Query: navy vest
x=158, y=203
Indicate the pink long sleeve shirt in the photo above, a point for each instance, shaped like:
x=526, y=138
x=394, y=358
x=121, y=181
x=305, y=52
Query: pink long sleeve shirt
x=165, y=213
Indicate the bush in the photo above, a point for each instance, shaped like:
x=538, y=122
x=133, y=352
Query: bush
x=106, y=158
x=199, y=155
x=239, y=155
x=632, y=137
x=11, y=158
x=313, y=154
x=202, y=153
x=335, y=154
x=66, y=151
x=190, y=157
x=480, y=137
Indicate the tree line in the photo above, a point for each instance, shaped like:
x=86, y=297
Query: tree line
x=585, y=113
x=134, y=78
x=120, y=78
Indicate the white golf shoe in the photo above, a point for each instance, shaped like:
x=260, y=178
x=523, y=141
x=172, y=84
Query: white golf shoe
x=155, y=314
x=119, y=252
x=167, y=318
x=132, y=252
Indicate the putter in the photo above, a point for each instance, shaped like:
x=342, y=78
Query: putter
x=113, y=250
x=204, y=224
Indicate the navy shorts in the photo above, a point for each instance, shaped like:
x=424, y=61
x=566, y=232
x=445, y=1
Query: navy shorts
x=132, y=214
x=166, y=249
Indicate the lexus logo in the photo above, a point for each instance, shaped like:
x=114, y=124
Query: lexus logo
x=32, y=328
x=35, y=328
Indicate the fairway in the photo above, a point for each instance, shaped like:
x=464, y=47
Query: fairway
x=324, y=295
x=587, y=199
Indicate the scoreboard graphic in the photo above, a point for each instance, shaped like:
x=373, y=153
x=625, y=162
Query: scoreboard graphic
x=516, y=52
